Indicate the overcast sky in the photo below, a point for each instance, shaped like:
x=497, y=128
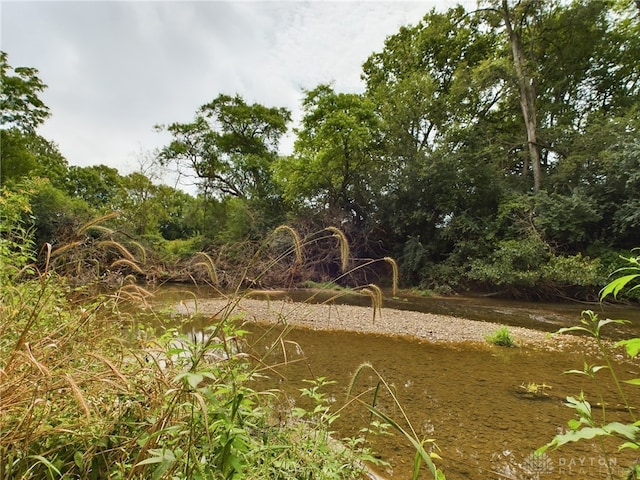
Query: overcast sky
x=114, y=69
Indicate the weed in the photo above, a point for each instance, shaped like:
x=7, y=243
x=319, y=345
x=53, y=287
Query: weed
x=376, y=299
x=344, y=246
x=501, y=337
x=86, y=394
x=589, y=426
x=535, y=390
x=404, y=426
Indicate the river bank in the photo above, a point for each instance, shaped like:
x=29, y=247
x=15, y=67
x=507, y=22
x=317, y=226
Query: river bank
x=429, y=327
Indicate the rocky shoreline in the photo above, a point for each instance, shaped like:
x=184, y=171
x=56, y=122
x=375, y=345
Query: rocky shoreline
x=349, y=318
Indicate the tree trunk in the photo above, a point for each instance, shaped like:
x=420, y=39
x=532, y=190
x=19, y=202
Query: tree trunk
x=527, y=97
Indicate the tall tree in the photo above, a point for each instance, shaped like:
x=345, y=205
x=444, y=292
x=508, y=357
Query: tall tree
x=436, y=86
x=25, y=153
x=20, y=104
x=229, y=146
x=514, y=22
x=335, y=166
x=433, y=79
x=570, y=63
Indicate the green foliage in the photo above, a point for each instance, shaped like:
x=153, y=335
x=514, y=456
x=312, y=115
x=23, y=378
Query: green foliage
x=24, y=153
x=566, y=220
x=99, y=185
x=179, y=249
x=17, y=160
x=431, y=164
x=230, y=146
x=588, y=426
x=20, y=106
x=175, y=405
x=629, y=281
x=16, y=238
x=334, y=164
x=528, y=266
x=57, y=216
x=573, y=271
x=501, y=337
x=514, y=262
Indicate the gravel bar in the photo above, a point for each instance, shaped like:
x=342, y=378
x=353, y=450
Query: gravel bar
x=390, y=322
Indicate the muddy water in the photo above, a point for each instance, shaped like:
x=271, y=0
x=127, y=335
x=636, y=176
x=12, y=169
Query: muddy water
x=468, y=398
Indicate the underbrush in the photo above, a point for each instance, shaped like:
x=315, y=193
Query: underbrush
x=87, y=393
x=82, y=398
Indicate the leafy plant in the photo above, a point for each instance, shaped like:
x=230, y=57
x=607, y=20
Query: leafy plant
x=535, y=390
x=501, y=337
x=588, y=425
x=86, y=394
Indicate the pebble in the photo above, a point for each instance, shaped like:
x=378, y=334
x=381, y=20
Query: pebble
x=430, y=327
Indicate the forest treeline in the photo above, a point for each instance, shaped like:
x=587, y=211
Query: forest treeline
x=493, y=150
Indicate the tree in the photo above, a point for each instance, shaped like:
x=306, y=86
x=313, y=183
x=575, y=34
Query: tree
x=336, y=165
x=98, y=185
x=180, y=212
x=16, y=159
x=431, y=80
x=229, y=146
x=437, y=86
x=514, y=21
x=569, y=63
x=20, y=105
x=24, y=153
x=141, y=212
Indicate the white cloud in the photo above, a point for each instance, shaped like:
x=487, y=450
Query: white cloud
x=115, y=69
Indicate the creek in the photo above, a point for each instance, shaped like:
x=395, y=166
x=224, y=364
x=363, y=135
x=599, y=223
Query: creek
x=472, y=399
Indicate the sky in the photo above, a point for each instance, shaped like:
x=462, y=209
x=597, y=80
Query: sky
x=115, y=69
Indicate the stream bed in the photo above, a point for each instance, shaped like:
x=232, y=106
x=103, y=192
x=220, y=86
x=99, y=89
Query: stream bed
x=471, y=399
x=474, y=400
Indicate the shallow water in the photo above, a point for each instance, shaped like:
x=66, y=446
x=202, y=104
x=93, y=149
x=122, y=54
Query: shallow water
x=545, y=316
x=469, y=398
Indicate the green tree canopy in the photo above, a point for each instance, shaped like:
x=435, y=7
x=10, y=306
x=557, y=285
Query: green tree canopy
x=336, y=165
x=20, y=104
x=99, y=185
x=24, y=153
x=230, y=146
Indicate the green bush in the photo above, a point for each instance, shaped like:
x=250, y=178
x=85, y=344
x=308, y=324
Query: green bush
x=501, y=337
x=515, y=263
x=179, y=249
x=85, y=394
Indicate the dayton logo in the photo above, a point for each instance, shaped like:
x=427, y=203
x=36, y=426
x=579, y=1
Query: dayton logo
x=536, y=465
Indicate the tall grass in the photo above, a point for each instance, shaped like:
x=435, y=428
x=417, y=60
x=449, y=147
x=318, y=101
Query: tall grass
x=344, y=247
x=402, y=426
x=85, y=393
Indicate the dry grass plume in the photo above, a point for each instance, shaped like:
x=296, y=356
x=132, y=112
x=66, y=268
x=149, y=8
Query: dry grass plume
x=344, y=246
